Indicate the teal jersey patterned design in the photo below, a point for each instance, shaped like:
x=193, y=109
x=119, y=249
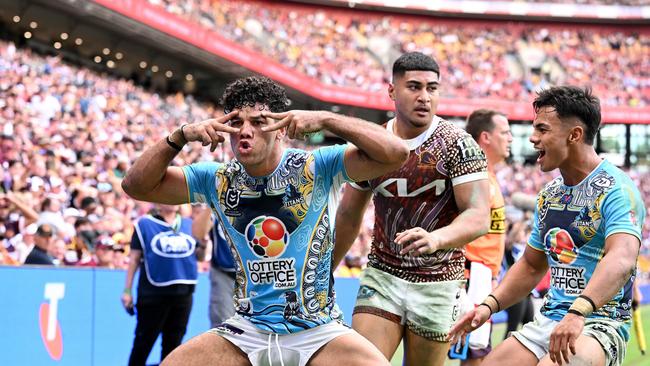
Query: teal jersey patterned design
x=571, y=224
x=280, y=229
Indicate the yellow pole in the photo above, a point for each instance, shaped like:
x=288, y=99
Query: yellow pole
x=638, y=329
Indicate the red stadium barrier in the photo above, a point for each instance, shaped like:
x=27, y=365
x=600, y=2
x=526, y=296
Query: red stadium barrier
x=213, y=42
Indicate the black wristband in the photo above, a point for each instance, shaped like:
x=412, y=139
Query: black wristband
x=591, y=302
x=172, y=144
x=576, y=312
x=488, y=306
x=497, y=301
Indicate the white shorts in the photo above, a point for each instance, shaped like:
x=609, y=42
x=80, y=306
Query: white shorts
x=268, y=349
x=536, y=337
x=428, y=309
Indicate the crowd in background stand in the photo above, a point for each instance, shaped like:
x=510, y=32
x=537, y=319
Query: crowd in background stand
x=67, y=136
x=500, y=60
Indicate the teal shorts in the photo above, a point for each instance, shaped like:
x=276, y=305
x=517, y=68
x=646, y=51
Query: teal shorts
x=428, y=309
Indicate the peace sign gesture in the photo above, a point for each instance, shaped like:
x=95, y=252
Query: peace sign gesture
x=208, y=131
x=298, y=123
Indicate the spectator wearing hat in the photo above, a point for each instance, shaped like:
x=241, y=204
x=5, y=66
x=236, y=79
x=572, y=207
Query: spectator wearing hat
x=57, y=189
x=42, y=241
x=101, y=255
x=104, y=251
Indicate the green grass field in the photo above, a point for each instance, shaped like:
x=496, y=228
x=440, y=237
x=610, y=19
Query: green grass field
x=633, y=357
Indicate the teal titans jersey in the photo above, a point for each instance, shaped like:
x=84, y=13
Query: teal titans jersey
x=280, y=229
x=571, y=224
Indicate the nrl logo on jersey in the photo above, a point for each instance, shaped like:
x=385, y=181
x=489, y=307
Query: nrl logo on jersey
x=401, y=187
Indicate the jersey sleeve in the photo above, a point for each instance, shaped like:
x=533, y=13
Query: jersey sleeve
x=200, y=179
x=623, y=211
x=535, y=239
x=465, y=160
x=331, y=158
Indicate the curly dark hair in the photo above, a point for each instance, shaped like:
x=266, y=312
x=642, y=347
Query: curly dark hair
x=247, y=91
x=571, y=101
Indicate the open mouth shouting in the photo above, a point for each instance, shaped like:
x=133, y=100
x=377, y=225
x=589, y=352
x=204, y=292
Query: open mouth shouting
x=541, y=153
x=244, y=147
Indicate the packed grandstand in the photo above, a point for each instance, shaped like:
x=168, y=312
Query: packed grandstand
x=70, y=130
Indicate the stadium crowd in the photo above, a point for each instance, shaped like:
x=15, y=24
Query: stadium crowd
x=353, y=49
x=68, y=135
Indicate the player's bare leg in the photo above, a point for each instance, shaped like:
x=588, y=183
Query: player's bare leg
x=349, y=349
x=588, y=352
x=206, y=349
x=421, y=351
x=383, y=333
x=510, y=352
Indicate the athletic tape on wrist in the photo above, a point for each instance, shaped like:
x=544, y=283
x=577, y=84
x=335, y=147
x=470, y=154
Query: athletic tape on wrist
x=593, y=306
x=582, y=306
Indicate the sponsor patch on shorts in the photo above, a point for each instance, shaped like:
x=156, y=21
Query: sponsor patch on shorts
x=366, y=292
x=229, y=329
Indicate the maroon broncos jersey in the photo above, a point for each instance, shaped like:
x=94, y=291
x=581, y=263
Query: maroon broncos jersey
x=420, y=194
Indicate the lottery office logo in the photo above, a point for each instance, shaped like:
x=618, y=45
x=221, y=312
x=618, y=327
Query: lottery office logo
x=48, y=322
x=268, y=238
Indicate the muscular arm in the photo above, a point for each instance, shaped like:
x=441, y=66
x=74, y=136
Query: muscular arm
x=375, y=151
x=614, y=269
x=474, y=219
x=349, y=217
x=518, y=282
x=522, y=277
x=152, y=179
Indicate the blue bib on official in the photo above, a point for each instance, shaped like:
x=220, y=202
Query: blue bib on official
x=169, y=254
